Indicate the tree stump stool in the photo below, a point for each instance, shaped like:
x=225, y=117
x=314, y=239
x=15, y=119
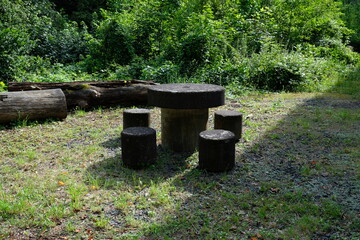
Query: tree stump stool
x=136, y=118
x=216, y=150
x=138, y=146
x=229, y=120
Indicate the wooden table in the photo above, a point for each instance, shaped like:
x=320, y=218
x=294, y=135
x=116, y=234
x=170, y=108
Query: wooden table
x=184, y=112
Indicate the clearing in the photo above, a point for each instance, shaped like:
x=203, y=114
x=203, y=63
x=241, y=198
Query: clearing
x=296, y=177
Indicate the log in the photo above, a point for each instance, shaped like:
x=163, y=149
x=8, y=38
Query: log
x=88, y=95
x=32, y=105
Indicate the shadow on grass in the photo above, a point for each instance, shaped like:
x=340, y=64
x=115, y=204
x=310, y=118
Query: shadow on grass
x=296, y=175
x=112, y=169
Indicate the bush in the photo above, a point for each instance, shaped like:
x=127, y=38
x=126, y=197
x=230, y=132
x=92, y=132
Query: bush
x=65, y=45
x=352, y=19
x=272, y=44
x=279, y=70
x=3, y=87
x=223, y=73
x=335, y=50
x=165, y=73
x=54, y=73
x=33, y=30
x=306, y=21
x=113, y=44
x=13, y=44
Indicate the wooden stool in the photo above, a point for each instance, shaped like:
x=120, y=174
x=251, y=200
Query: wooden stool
x=138, y=147
x=216, y=150
x=136, y=118
x=229, y=120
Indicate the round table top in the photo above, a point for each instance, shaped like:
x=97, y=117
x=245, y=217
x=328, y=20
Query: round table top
x=186, y=95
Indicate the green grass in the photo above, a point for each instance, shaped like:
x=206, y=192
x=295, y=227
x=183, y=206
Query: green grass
x=348, y=84
x=297, y=176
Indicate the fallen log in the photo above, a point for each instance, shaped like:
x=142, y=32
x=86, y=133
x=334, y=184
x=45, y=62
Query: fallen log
x=87, y=95
x=32, y=105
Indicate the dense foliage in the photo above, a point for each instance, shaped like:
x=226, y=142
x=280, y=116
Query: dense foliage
x=268, y=44
x=352, y=19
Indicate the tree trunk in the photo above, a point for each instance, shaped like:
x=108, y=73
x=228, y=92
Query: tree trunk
x=32, y=105
x=87, y=95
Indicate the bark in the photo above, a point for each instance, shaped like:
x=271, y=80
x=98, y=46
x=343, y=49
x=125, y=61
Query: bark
x=32, y=105
x=87, y=95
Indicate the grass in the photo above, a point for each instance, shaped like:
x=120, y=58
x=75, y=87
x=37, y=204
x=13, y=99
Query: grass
x=297, y=176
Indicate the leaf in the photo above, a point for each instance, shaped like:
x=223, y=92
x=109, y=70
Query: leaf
x=233, y=228
x=258, y=235
x=61, y=183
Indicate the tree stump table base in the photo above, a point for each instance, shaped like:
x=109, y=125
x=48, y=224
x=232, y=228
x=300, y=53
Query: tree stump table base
x=180, y=128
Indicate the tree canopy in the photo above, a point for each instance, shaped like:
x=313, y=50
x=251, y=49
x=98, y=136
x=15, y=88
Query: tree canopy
x=271, y=44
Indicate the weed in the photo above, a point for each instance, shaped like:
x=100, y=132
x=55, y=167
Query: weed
x=161, y=193
x=306, y=170
x=304, y=123
x=80, y=112
x=277, y=104
x=101, y=222
x=71, y=226
x=76, y=193
x=274, y=136
x=345, y=115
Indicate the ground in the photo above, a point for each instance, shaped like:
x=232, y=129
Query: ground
x=296, y=177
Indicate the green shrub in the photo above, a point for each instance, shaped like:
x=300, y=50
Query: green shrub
x=65, y=45
x=310, y=21
x=3, y=87
x=333, y=49
x=113, y=43
x=120, y=73
x=13, y=43
x=279, y=70
x=165, y=73
x=352, y=18
x=33, y=30
x=47, y=72
x=273, y=45
x=223, y=73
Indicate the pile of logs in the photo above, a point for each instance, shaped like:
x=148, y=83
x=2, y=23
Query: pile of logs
x=33, y=101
